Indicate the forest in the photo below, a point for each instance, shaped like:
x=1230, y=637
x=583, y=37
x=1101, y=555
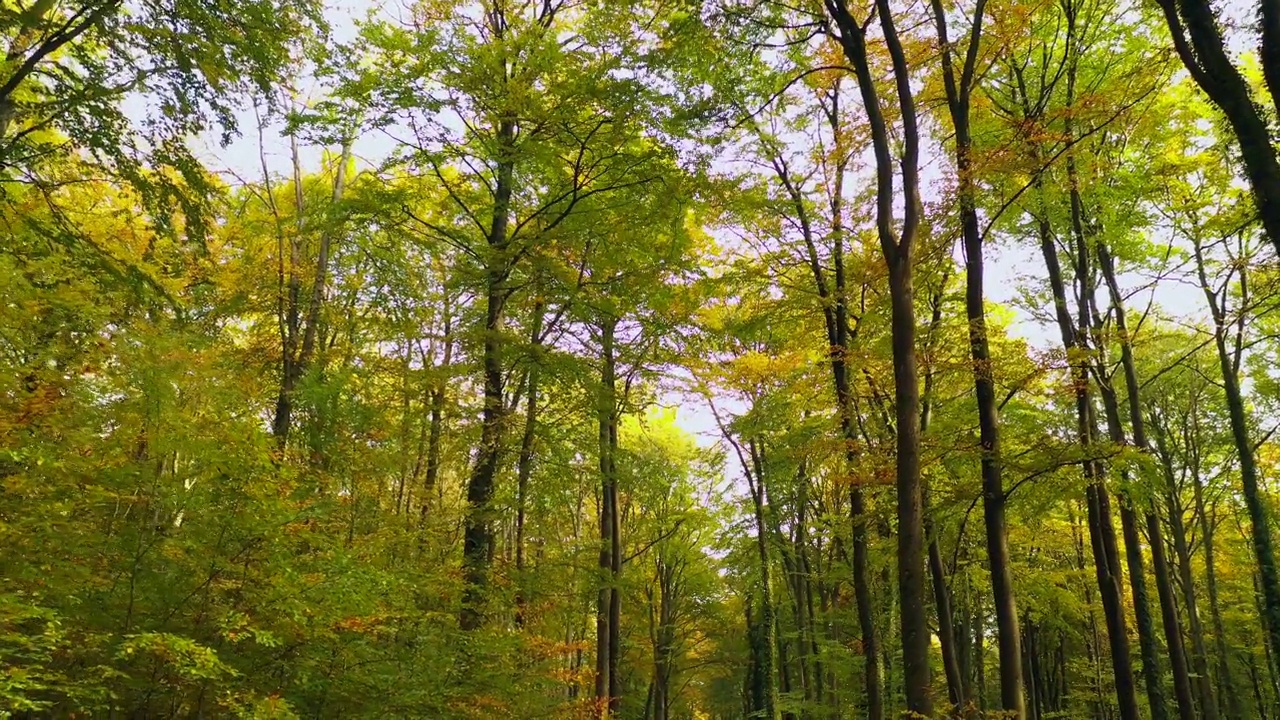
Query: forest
x=640, y=359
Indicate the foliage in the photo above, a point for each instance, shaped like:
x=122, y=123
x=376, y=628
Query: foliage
x=530, y=354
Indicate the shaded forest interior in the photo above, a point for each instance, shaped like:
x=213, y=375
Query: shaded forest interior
x=690, y=360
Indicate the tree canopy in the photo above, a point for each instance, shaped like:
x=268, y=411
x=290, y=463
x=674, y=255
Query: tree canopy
x=642, y=361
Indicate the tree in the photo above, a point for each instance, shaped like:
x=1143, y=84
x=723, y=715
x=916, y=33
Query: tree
x=898, y=245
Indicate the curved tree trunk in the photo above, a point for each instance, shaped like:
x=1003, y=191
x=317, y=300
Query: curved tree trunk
x=1200, y=45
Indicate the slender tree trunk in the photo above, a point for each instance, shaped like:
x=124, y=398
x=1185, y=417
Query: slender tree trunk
x=958, y=90
x=964, y=630
x=1151, y=672
x=524, y=462
x=1226, y=682
x=1155, y=533
x=980, y=658
x=946, y=624
x=1101, y=529
x=604, y=600
x=840, y=336
x=795, y=561
x=664, y=647
x=957, y=691
x=811, y=628
x=609, y=601
x=290, y=308
x=1031, y=672
x=435, y=433
x=1260, y=529
x=862, y=584
x=794, y=585
x=768, y=619
x=296, y=359
x=478, y=532
x=1199, y=656
x=897, y=249
x=615, y=571
x=1093, y=644
x=753, y=685
x=1273, y=677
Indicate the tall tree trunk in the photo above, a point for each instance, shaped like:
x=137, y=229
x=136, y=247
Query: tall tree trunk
x=898, y=251
x=298, y=352
x=911, y=582
x=435, y=433
x=478, y=532
x=980, y=658
x=290, y=301
x=1101, y=529
x=758, y=680
x=1181, y=548
x=947, y=635
x=795, y=561
x=1152, y=675
x=665, y=639
x=811, y=626
x=946, y=623
x=840, y=336
x=1012, y=699
x=768, y=616
x=1155, y=533
x=524, y=462
x=604, y=601
x=1226, y=683
x=609, y=602
x=1260, y=530
x=1273, y=676
x=1075, y=340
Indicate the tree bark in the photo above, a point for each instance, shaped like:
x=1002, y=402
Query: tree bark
x=1155, y=533
x=478, y=532
x=524, y=462
x=1225, y=680
x=436, y=430
x=1152, y=674
x=957, y=691
x=1101, y=529
x=609, y=601
x=768, y=616
x=1199, y=44
x=1012, y=699
x=1181, y=548
x=897, y=249
x=1260, y=530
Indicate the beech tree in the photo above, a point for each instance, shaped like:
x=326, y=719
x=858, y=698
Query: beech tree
x=638, y=361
